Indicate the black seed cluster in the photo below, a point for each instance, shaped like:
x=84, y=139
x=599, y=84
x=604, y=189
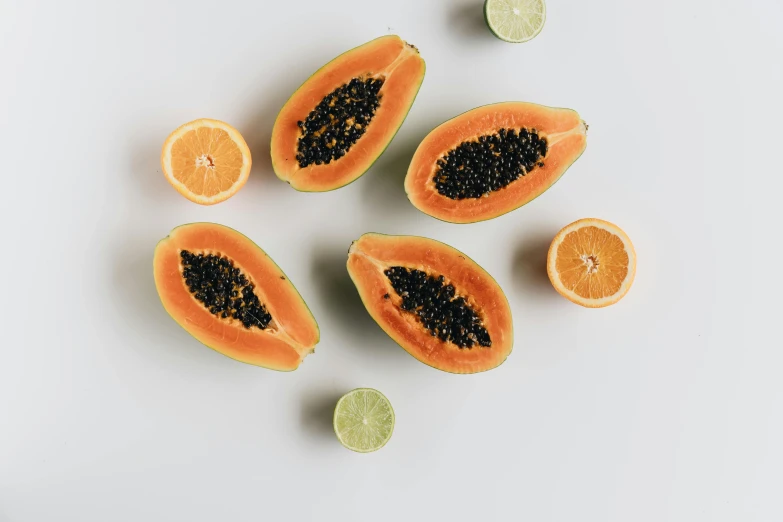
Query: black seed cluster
x=444, y=313
x=223, y=289
x=338, y=121
x=476, y=168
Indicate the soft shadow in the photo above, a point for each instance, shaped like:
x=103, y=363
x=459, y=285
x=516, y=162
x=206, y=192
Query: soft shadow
x=529, y=266
x=384, y=186
x=143, y=315
x=146, y=170
x=467, y=19
x=340, y=299
x=318, y=411
x=257, y=130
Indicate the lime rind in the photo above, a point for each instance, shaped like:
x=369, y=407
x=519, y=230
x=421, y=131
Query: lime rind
x=363, y=420
x=515, y=21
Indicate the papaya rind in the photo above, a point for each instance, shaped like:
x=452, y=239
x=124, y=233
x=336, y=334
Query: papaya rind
x=508, y=331
x=502, y=211
x=392, y=133
x=306, y=350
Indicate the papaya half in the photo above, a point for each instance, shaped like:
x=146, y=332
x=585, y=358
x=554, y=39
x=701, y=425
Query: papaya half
x=229, y=294
x=492, y=160
x=344, y=116
x=433, y=300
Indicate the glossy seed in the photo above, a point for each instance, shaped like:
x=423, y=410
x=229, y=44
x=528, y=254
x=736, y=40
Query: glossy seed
x=488, y=163
x=338, y=121
x=436, y=304
x=223, y=289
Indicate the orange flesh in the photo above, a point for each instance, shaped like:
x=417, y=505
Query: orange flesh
x=371, y=254
x=566, y=139
x=206, y=160
x=293, y=332
x=592, y=262
x=388, y=57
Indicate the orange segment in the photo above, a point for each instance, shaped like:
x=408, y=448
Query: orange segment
x=207, y=161
x=592, y=263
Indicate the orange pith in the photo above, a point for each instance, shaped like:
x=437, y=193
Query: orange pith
x=207, y=161
x=592, y=263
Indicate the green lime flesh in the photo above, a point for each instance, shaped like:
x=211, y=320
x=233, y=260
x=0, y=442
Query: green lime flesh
x=515, y=21
x=363, y=420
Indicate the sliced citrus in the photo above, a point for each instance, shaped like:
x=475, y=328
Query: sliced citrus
x=592, y=263
x=363, y=420
x=515, y=21
x=207, y=161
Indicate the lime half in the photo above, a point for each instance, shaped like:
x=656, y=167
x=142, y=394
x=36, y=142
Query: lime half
x=363, y=420
x=515, y=21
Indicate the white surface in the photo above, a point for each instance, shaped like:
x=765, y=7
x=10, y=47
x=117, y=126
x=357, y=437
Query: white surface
x=666, y=407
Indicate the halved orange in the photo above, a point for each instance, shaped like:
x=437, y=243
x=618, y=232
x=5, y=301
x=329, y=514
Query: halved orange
x=592, y=263
x=207, y=161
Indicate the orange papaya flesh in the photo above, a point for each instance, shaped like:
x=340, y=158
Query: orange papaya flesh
x=492, y=160
x=229, y=294
x=433, y=300
x=328, y=134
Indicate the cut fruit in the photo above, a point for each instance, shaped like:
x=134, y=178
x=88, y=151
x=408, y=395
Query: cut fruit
x=344, y=116
x=363, y=420
x=515, y=21
x=592, y=263
x=207, y=161
x=433, y=300
x=493, y=159
x=227, y=293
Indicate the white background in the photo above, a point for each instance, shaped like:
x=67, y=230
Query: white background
x=665, y=407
